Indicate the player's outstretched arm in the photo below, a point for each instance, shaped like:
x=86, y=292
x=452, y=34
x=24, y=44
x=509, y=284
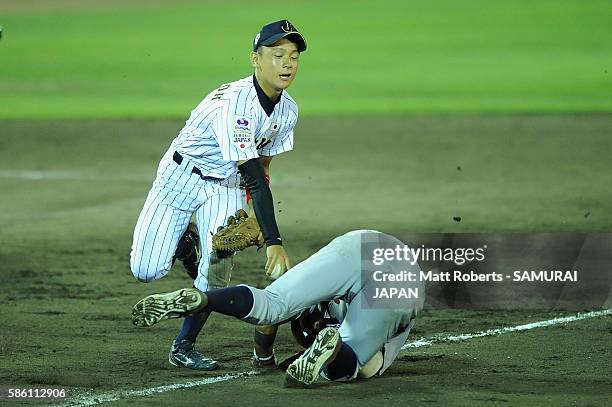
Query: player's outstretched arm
x=265, y=162
x=253, y=173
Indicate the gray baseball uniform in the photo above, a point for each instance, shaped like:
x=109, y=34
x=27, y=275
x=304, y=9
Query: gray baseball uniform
x=335, y=273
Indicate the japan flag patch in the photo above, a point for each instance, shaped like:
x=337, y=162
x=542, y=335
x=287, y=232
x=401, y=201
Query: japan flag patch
x=243, y=132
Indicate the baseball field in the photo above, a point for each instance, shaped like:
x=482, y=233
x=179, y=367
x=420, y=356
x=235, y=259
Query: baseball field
x=441, y=117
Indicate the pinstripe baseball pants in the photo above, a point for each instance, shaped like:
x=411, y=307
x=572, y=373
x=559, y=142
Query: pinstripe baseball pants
x=177, y=193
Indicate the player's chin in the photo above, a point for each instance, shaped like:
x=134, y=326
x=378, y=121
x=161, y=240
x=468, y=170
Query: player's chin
x=284, y=81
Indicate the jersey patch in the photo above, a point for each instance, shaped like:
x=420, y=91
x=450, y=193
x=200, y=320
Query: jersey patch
x=274, y=130
x=243, y=132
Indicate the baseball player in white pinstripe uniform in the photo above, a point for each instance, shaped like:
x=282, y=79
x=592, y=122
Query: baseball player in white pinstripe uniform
x=228, y=141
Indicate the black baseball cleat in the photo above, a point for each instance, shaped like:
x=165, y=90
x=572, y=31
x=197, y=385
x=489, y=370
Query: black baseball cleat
x=305, y=370
x=188, y=251
x=264, y=364
x=183, y=354
x=157, y=307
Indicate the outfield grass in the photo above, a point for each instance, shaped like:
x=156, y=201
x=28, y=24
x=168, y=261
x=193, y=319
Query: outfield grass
x=129, y=59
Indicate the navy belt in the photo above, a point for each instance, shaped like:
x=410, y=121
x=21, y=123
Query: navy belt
x=195, y=170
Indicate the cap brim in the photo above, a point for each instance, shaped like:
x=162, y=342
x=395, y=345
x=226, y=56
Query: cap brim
x=293, y=36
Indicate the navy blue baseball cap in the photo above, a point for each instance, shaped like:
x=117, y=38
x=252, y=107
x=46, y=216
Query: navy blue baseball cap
x=273, y=32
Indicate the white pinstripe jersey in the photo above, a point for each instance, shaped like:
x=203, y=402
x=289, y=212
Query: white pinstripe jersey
x=230, y=124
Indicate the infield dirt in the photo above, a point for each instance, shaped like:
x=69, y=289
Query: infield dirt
x=72, y=191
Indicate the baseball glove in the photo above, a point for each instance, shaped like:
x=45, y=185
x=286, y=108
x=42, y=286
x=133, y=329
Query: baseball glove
x=239, y=233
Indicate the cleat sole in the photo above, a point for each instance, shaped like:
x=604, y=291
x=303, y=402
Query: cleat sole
x=157, y=307
x=305, y=370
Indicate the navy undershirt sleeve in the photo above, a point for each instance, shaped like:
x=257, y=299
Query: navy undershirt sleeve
x=254, y=177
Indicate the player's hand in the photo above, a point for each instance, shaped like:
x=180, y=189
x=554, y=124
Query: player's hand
x=277, y=255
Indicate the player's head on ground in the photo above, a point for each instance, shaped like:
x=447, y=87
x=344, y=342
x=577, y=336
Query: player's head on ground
x=275, y=56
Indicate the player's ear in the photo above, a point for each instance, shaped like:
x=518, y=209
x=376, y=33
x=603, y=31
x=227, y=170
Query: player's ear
x=255, y=59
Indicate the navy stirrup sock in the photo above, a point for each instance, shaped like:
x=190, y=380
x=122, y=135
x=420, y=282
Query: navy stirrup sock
x=344, y=365
x=233, y=301
x=192, y=325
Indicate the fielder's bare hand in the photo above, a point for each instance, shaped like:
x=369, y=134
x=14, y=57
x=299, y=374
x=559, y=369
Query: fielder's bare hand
x=277, y=255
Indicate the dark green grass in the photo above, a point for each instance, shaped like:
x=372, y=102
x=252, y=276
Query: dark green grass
x=132, y=59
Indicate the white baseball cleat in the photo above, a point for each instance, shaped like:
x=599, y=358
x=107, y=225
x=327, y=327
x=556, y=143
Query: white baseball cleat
x=157, y=307
x=305, y=370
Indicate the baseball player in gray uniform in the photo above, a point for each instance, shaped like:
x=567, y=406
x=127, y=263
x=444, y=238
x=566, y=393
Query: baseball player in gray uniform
x=224, y=149
x=369, y=337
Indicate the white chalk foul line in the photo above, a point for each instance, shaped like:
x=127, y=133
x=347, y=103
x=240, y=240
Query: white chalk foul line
x=500, y=331
x=92, y=400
